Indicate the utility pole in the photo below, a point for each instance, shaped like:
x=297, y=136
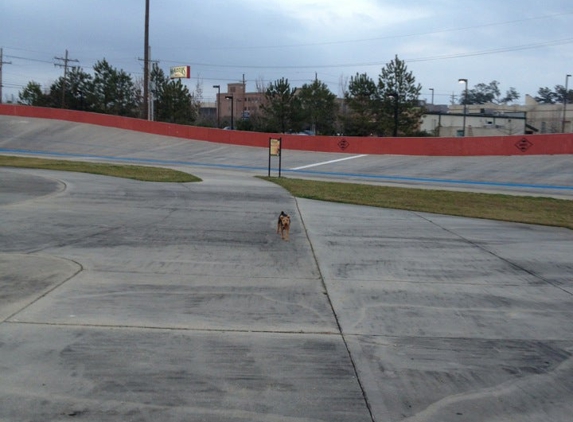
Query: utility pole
x=146, y=65
x=150, y=106
x=1, y=63
x=65, y=66
x=244, y=94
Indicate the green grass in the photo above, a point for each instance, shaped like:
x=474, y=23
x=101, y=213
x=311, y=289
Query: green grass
x=142, y=173
x=521, y=209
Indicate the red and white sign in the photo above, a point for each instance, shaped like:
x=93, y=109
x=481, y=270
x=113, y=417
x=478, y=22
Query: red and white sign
x=180, y=72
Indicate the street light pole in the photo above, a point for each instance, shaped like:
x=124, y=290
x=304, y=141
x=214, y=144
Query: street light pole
x=230, y=97
x=565, y=98
x=432, y=89
x=465, y=81
x=395, y=96
x=217, y=101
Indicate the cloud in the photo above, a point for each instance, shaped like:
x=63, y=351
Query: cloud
x=335, y=17
x=224, y=39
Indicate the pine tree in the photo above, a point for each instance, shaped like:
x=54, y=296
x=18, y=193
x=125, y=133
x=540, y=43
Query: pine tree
x=282, y=109
x=318, y=106
x=398, y=100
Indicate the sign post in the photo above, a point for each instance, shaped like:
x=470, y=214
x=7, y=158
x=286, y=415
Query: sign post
x=275, y=151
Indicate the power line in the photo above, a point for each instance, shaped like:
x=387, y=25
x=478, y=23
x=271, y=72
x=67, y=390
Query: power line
x=443, y=57
x=14, y=85
x=29, y=59
x=339, y=65
x=239, y=68
x=494, y=51
x=415, y=34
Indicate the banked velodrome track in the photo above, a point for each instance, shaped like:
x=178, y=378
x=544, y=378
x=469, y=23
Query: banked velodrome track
x=547, y=175
x=124, y=300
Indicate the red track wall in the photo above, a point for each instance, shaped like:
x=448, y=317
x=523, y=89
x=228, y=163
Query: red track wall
x=470, y=146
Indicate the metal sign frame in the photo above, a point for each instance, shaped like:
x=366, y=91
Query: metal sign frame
x=275, y=150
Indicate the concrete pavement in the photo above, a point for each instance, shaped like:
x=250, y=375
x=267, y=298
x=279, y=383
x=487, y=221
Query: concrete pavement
x=123, y=300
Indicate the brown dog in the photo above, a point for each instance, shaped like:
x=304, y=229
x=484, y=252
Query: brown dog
x=283, y=225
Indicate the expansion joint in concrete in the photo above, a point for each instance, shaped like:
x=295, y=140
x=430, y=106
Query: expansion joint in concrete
x=342, y=336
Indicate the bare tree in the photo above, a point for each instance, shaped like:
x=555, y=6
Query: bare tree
x=197, y=95
x=260, y=84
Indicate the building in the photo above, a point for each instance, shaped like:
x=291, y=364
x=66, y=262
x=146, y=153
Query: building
x=208, y=111
x=481, y=122
x=439, y=120
x=548, y=118
x=498, y=119
x=244, y=104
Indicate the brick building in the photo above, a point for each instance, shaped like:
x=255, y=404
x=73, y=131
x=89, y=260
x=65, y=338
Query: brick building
x=244, y=103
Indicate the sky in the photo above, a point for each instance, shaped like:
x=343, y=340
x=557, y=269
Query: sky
x=522, y=44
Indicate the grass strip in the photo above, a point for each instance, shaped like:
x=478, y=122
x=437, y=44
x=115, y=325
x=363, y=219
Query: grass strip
x=519, y=209
x=142, y=173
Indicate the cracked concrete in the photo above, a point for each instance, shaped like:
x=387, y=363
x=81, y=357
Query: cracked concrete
x=124, y=300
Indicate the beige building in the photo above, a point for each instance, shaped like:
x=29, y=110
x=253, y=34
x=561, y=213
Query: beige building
x=499, y=119
x=480, y=122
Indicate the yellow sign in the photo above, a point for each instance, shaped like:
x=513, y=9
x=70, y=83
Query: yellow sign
x=275, y=146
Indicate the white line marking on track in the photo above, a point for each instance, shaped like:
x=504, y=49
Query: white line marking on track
x=329, y=162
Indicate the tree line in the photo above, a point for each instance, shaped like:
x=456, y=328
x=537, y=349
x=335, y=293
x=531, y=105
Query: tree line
x=113, y=91
x=490, y=93
x=386, y=106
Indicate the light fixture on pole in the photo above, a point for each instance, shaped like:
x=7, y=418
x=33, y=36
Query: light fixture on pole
x=464, y=81
x=217, y=101
x=230, y=97
x=565, y=99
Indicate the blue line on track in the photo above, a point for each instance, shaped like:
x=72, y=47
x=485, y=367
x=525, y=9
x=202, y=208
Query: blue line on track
x=309, y=172
x=434, y=180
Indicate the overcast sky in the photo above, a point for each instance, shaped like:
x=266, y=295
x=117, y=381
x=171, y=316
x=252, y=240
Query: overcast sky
x=525, y=44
